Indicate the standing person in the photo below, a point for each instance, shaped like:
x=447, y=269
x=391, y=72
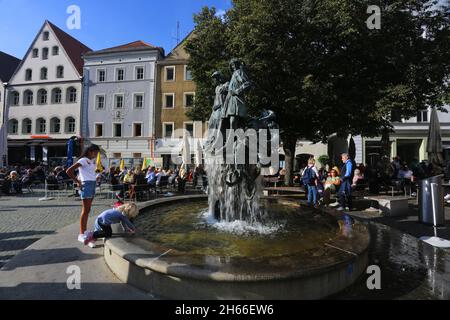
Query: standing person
x=86, y=181
x=345, y=192
x=310, y=180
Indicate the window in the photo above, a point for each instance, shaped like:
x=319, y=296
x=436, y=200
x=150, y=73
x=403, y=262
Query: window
x=422, y=116
x=120, y=74
x=169, y=100
x=137, y=155
x=101, y=76
x=189, y=100
x=117, y=130
x=139, y=73
x=15, y=97
x=118, y=101
x=187, y=74
x=189, y=127
x=41, y=125
x=60, y=72
x=99, y=130
x=28, y=98
x=70, y=125
x=71, y=95
x=55, y=50
x=137, y=129
x=168, y=130
x=170, y=73
x=27, y=126
x=42, y=96
x=35, y=53
x=56, y=95
x=13, y=126
x=44, y=73
x=44, y=53
x=28, y=75
x=100, y=102
x=138, y=101
x=117, y=155
x=55, y=125
x=46, y=36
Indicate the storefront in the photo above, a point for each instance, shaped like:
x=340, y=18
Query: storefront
x=25, y=152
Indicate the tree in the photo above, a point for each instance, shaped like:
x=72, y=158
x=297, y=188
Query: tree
x=318, y=66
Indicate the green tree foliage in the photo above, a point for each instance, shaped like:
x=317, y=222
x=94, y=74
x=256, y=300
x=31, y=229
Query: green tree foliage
x=321, y=69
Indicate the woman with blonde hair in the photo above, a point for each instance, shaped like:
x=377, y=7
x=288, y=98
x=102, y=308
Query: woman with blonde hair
x=122, y=215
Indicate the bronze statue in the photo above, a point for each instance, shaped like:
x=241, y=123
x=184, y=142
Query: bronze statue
x=234, y=106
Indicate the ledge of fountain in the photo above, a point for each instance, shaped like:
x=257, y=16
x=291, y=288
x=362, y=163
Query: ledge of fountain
x=172, y=275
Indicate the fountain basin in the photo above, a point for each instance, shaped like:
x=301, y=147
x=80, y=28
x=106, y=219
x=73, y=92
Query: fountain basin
x=171, y=266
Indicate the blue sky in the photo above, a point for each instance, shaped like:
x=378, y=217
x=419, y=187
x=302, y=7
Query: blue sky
x=103, y=23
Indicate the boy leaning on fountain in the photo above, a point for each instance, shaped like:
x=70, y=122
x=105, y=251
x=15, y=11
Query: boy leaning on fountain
x=122, y=215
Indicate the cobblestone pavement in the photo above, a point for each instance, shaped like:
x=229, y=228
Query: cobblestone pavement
x=24, y=220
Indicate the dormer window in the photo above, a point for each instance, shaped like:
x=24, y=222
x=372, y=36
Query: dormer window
x=45, y=54
x=46, y=36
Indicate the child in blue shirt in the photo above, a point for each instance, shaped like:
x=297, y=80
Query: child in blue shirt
x=103, y=223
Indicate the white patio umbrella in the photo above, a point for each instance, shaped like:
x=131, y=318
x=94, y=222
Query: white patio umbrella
x=199, y=154
x=186, y=152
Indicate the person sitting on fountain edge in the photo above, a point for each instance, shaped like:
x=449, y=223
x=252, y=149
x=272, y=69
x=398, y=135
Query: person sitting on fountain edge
x=123, y=215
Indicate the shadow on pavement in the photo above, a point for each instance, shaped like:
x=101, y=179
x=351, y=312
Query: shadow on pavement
x=60, y=291
x=48, y=257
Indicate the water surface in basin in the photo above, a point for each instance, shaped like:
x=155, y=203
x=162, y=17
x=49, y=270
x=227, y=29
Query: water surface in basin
x=287, y=229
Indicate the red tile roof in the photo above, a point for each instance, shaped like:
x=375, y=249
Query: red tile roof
x=132, y=46
x=74, y=48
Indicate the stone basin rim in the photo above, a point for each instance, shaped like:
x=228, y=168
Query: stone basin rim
x=128, y=249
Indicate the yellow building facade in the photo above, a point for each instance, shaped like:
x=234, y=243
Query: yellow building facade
x=175, y=95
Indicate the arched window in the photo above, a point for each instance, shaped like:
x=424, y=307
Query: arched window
x=13, y=126
x=28, y=75
x=41, y=126
x=42, y=96
x=71, y=95
x=27, y=126
x=60, y=72
x=56, y=95
x=44, y=73
x=55, y=125
x=28, y=98
x=70, y=125
x=15, y=98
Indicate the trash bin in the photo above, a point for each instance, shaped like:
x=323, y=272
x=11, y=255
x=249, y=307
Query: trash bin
x=431, y=201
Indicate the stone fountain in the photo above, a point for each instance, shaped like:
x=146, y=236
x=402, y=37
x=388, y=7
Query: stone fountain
x=235, y=243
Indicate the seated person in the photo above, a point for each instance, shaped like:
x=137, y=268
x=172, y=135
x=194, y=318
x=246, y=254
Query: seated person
x=357, y=177
x=151, y=177
x=332, y=184
x=27, y=179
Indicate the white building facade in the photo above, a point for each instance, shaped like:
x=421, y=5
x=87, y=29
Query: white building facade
x=44, y=98
x=119, y=109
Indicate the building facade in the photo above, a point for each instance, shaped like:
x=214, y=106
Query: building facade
x=8, y=65
x=409, y=139
x=175, y=95
x=44, y=98
x=119, y=109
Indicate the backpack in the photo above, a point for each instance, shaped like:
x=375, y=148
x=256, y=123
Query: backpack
x=309, y=177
